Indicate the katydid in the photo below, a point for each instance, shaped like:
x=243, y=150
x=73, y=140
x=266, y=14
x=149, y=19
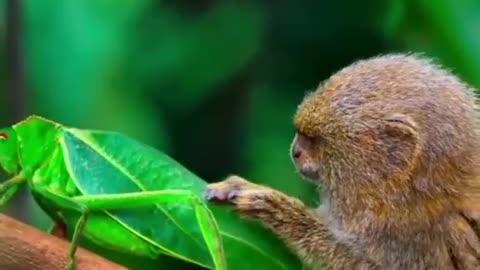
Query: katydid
x=123, y=212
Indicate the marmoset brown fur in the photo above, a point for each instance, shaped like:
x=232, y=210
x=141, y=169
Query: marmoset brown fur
x=394, y=142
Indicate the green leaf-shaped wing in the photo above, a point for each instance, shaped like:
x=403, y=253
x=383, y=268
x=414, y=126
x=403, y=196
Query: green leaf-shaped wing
x=112, y=163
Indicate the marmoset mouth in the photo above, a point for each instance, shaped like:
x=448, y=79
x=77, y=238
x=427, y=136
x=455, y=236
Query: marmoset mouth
x=309, y=172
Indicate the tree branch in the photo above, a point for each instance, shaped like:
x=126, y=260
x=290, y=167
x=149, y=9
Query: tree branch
x=23, y=247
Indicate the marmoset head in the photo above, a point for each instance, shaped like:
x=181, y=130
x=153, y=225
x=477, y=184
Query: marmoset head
x=382, y=118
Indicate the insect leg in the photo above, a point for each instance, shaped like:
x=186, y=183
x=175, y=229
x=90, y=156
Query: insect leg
x=69, y=203
x=211, y=234
x=9, y=188
x=134, y=199
x=8, y=194
x=205, y=218
x=16, y=180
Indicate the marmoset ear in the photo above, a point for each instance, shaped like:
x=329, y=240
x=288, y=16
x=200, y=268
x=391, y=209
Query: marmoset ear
x=399, y=132
x=400, y=125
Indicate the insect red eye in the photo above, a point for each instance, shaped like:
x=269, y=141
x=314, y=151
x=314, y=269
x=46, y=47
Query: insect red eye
x=3, y=136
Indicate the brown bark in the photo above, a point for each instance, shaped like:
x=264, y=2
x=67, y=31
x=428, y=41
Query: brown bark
x=25, y=248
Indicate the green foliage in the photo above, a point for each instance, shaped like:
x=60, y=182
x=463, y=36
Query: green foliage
x=447, y=30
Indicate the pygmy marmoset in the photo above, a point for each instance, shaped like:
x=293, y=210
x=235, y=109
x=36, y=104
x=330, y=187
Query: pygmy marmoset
x=393, y=140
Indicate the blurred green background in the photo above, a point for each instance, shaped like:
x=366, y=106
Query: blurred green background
x=214, y=84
